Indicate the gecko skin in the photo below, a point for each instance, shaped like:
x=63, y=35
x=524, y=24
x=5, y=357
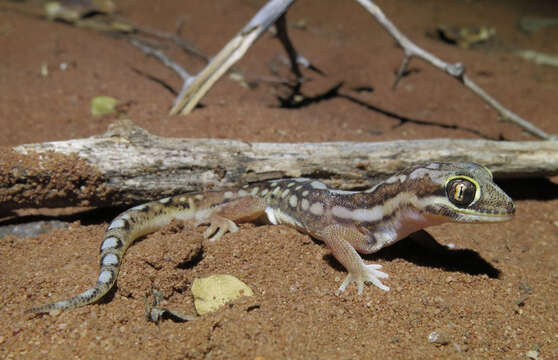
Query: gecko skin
x=347, y=221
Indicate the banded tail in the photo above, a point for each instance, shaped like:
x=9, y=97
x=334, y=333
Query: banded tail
x=121, y=233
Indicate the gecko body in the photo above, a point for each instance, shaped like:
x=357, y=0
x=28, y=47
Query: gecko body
x=348, y=222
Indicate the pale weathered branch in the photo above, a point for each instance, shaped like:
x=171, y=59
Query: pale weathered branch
x=129, y=165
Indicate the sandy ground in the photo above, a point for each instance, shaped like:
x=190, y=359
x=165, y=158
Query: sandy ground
x=495, y=296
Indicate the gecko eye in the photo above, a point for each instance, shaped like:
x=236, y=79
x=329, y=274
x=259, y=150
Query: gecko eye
x=461, y=192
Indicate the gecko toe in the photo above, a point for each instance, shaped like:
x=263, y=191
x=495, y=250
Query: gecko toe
x=219, y=226
x=369, y=273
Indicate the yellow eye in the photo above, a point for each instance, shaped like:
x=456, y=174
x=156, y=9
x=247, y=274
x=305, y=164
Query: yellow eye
x=461, y=192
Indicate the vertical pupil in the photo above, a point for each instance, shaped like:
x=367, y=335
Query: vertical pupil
x=459, y=191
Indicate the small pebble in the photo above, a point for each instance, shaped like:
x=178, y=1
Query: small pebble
x=532, y=354
x=438, y=337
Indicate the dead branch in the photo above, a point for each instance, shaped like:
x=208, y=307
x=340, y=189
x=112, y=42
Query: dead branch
x=457, y=71
x=194, y=88
x=229, y=55
x=274, y=12
x=128, y=165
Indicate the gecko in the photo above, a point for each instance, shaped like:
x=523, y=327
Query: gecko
x=348, y=222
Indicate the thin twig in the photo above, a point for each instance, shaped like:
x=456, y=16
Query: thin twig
x=505, y=113
x=456, y=70
x=283, y=36
x=295, y=57
x=186, y=77
x=163, y=58
x=183, y=44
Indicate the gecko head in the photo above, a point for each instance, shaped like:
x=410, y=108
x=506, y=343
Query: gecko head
x=461, y=192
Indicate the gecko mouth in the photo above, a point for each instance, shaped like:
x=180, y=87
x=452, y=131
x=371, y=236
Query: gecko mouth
x=486, y=216
x=495, y=217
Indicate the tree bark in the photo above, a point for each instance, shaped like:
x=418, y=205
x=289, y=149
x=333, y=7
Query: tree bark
x=129, y=165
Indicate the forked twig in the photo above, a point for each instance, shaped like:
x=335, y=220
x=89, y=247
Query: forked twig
x=180, y=42
x=457, y=70
x=229, y=55
x=274, y=12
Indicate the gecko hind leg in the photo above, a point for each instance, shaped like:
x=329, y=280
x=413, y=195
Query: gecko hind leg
x=219, y=226
x=225, y=217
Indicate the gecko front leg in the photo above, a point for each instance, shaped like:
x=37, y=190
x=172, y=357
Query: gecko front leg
x=342, y=241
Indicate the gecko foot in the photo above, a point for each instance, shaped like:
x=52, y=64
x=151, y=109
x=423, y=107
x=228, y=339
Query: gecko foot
x=219, y=226
x=368, y=273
